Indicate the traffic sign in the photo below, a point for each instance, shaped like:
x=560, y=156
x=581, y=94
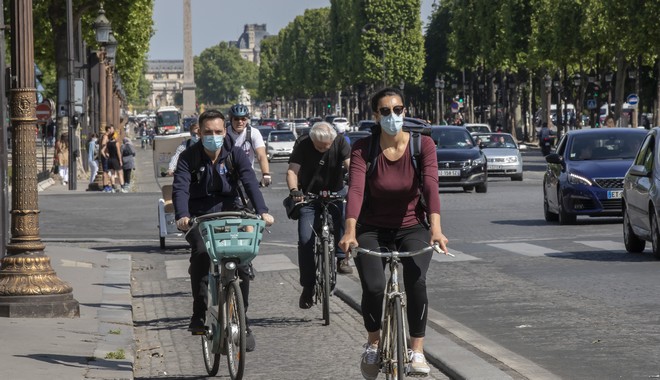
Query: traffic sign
x=43, y=112
x=591, y=104
x=633, y=99
x=454, y=107
x=338, y=107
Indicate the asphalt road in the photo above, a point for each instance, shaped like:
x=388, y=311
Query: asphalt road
x=567, y=298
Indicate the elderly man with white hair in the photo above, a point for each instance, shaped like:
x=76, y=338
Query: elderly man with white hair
x=315, y=165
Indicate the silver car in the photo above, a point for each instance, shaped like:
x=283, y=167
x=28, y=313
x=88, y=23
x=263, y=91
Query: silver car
x=502, y=154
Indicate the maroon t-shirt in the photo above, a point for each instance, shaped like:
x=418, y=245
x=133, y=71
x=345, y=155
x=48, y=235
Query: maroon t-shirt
x=393, y=187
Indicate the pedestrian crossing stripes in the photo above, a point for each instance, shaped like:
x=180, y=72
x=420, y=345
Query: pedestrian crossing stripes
x=525, y=249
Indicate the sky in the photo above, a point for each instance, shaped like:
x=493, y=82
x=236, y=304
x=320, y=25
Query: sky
x=222, y=20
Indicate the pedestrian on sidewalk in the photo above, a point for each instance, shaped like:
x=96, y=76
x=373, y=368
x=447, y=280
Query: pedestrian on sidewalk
x=62, y=156
x=128, y=156
x=92, y=154
x=115, y=163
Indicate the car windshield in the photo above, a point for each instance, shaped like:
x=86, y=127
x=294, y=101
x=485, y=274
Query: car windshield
x=478, y=128
x=265, y=132
x=289, y=136
x=605, y=146
x=452, y=139
x=496, y=141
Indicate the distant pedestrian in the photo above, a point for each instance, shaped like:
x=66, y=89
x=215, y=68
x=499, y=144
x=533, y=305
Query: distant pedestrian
x=92, y=155
x=128, y=157
x=609, y=122
x=62, y=156
x=103, y=157
x=115, y=163
x=194, y=137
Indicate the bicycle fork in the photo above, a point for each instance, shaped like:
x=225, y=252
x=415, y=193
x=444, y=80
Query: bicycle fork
x=388, y=341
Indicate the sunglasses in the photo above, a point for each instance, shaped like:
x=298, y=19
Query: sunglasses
x=240, y=118
x=385, y=111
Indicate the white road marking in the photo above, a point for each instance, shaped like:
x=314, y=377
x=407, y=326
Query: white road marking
x=525, y=249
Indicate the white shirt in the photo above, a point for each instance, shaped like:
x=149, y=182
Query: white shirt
x=248, y=146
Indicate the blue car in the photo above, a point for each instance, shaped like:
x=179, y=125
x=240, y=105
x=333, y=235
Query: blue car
x=585, y=175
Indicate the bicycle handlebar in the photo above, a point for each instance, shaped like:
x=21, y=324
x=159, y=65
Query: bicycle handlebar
x=323, y=196
x=357, y=250
x=221, y=215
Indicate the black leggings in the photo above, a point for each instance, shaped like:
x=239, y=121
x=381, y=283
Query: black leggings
x=372, y=274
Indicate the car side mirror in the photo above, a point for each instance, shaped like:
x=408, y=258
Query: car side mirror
x=554, y=158
x=639, y=171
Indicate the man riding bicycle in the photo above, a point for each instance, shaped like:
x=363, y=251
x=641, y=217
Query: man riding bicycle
x=206, y=180
x=316, y=165
x=249, y=139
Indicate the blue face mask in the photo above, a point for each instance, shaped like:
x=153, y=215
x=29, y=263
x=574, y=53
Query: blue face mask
x=213, y=143
x=194, y=138
x=392, y=123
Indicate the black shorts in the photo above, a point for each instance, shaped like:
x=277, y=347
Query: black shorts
x=104, y=164
x=113, y=164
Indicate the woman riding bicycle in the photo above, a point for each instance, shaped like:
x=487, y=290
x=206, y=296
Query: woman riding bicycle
x=384, y=211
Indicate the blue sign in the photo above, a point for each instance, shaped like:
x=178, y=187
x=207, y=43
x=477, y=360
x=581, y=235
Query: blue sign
x=633, y=99
x=591, y=104
x=454, y=107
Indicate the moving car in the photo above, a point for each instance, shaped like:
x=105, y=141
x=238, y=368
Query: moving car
x=365, y=125
x=502, y=153
x=357, y=135
x=585, y=175
x=279, y=144
x=477, y=128
x=341, y=124
x=269, y=122
x=264, y=130
x=640, y=197
x=460, y=161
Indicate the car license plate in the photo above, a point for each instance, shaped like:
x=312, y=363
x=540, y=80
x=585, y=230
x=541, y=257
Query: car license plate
x=495, y=167
x=614, y=194
x=449, y=173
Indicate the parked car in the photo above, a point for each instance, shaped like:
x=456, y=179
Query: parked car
x=585, y=175
x=640, y=197
x=357, y=135
x=477, y=128
x=460, y=161
x=502, y=154
x=341, y=124
x=279, y=144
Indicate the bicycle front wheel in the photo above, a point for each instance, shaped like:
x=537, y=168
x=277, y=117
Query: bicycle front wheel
x=235, y=330
x=326, y=283
x=209, y=349
x=399, y=367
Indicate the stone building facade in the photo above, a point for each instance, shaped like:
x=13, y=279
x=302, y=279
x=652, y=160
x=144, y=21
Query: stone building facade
x=166, y=78
x=249, y=43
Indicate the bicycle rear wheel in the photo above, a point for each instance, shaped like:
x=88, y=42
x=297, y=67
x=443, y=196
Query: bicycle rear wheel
x=325, y=283
x=235, y=333
x=209, y=339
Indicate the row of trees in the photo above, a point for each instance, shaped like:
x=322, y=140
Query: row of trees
x=354, y=46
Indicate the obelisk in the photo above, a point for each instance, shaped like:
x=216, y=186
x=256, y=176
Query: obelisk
x=189, y=100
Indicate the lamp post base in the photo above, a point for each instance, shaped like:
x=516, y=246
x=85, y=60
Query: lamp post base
x=30, y=288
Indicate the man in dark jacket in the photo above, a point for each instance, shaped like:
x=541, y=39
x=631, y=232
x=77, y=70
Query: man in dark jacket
x=202, y=185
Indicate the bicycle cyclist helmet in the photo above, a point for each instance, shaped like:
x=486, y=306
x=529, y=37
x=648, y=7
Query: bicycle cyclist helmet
x=239, y=110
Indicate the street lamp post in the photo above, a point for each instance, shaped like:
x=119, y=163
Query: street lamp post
x=442, y=97
x=547, y=81
x=29, y=287
x=437, y=99
x=577, y=82
x=556, y=83
x=608, y=79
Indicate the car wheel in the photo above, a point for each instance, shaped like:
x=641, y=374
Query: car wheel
x=549, y=216
x=655, y=236
x=564, y=216
x=517, y=177
x=631, y=241
x=468, y=188
x=482, y=187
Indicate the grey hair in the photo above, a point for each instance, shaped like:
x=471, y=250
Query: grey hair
x=322, y=132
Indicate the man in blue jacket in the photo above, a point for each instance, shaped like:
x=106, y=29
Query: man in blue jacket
x=202, y=185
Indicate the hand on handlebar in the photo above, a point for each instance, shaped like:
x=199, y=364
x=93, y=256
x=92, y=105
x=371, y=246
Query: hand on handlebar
x=266, y=180
x=266, y=217
x=297, y=195
x=183, y=224
x=347, y=243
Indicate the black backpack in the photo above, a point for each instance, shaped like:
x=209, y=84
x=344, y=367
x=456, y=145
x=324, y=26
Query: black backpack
x=415, y=146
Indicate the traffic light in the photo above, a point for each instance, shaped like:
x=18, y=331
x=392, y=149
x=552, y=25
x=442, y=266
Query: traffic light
x=596, y=91
x=329, y=105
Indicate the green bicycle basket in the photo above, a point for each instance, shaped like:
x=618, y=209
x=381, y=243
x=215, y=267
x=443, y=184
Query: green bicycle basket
x=227, y=238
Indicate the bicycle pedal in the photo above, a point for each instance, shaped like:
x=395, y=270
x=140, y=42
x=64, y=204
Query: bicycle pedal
x=197, y=332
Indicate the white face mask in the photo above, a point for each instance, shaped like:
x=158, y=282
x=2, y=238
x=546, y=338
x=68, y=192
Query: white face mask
x=392, y=123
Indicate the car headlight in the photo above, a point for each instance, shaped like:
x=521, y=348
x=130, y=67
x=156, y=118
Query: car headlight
x=577, y=179
x=477, y=161
x=511, y=160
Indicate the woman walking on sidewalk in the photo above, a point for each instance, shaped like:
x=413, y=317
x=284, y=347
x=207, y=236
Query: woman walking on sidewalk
x=62, y=157
x=128, y=157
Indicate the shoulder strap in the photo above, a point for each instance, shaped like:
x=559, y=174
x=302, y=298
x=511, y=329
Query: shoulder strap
x=415, y=145
x=374, y=141
x=248, y=136
x=232, y=173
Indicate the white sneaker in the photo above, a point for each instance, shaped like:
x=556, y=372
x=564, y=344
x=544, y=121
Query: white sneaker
x=369, y=362
x=418, y=366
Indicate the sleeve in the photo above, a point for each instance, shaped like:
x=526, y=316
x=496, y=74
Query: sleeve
x=344, y=149
x=357, y=175
x=181, y=187
x=249, y=180
x=175, y=157
x=297, y=153
x=257, y=139
x=430, y=175
x=90, y=151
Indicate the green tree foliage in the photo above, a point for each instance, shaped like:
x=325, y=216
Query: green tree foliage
x=269, y=85
x=132, y=25
x=220, y=71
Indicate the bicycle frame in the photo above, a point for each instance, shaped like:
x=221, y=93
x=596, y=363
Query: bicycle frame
x=220, y=277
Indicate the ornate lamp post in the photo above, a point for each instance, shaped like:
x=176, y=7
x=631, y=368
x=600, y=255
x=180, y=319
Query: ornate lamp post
x=577, y=82
x=547, y=81
x=437, y=99
x=442, y=97
x=608, y=79
x=102, y=29
x=29, y=286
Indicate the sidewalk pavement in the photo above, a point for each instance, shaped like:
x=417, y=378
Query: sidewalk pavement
x=101, y=343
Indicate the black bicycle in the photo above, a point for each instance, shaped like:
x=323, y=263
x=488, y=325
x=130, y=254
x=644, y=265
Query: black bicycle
x=324, y=249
